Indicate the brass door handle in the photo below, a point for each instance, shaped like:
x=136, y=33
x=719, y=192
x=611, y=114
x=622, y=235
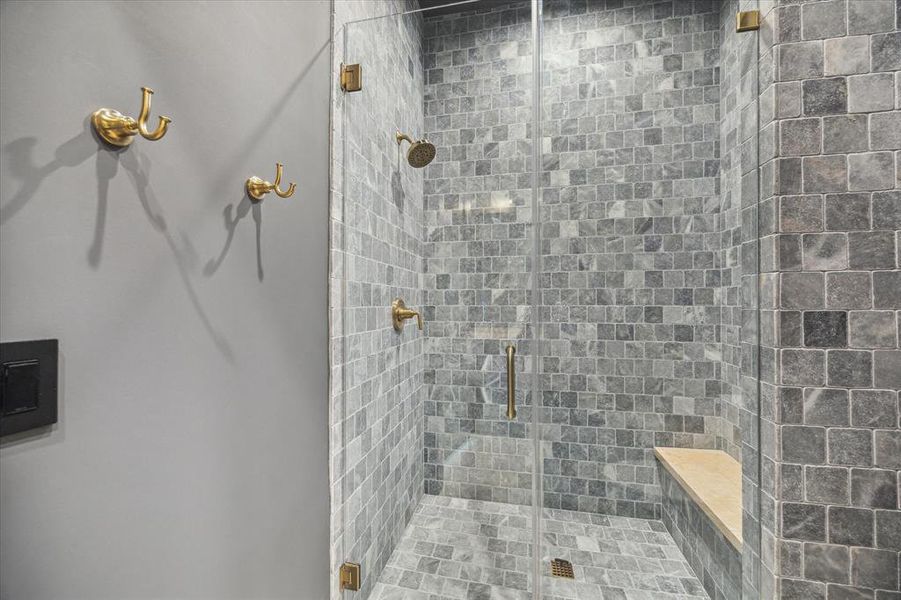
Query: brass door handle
x=511, y=382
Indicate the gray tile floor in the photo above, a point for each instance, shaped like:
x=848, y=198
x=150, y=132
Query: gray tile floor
x=475, y=550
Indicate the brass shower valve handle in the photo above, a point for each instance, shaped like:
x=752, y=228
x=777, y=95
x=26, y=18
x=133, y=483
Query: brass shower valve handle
x=400, y=313
x=120, y=130
x=257, y=188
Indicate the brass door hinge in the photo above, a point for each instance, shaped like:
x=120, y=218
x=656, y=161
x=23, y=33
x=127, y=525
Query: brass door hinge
x=748, y=20
x=351, y=78
x=350, y=576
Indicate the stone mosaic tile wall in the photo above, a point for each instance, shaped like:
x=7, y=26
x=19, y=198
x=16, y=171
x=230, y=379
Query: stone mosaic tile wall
x=633, y=257
x=715, y=561
x=630, y=246
x=376, y=255
x=832, y=224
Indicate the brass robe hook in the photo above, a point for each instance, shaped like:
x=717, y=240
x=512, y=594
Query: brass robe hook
x=120, y=130
x=257, y=188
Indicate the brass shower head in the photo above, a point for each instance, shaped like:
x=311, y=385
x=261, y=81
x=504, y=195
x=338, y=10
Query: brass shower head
x=421, y=152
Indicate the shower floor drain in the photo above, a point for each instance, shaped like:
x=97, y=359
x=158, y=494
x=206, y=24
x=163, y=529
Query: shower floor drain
x=562, y=568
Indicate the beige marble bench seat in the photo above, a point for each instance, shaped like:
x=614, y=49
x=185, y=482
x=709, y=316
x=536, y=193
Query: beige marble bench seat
x=712, y=479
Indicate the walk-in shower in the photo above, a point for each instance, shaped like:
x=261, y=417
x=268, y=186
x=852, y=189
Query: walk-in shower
x=580, y=242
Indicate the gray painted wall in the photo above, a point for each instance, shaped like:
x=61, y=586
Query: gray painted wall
x=190, y=460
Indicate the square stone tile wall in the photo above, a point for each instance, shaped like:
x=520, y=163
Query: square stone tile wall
x=631, y=265
x=831, y=289
x=640, y=282
x=376, y=255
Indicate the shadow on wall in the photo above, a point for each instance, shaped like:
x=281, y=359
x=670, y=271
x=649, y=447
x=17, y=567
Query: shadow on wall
x=21, y=164
x=397, y=191
x=80, y=148
x=245, y=206
x=137, y=166
x=108, y=161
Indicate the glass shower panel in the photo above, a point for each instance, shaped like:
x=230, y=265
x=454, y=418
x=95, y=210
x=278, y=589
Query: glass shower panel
x=435, y=472
x=377, y=236
x=477, y=277
x=647, y=281
x=631, y=256
x=628, y=215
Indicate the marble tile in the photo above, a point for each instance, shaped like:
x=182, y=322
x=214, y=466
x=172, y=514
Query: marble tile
x=456, y=548
x=644, y=149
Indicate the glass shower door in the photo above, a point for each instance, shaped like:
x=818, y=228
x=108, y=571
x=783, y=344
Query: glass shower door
x=648, y=281
x=478, y=276
x=434, y=467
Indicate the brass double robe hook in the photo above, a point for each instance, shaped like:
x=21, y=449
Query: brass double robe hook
x=257, y=188
x=120, y=130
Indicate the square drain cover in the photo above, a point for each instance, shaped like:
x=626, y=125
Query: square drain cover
x=562, y=568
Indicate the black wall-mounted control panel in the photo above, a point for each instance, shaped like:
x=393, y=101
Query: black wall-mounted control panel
x=28, y=389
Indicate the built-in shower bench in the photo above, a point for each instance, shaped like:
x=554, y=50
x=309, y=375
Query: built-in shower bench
x=702, y=510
